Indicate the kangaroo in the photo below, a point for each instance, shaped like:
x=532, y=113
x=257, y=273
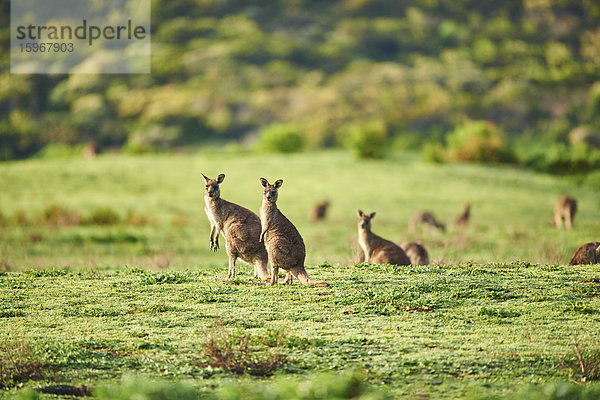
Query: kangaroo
x=282, y=240
x=416, y=253
x=428, y=219
x=240, y=227
x=463, y=218
x=318, y=211
x=89, y=151
x=377, y=250
x=588, y=253
x=564, y=208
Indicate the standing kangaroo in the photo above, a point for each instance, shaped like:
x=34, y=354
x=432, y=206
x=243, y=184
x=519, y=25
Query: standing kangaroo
x=463, y=218
x=282, y=240
x=416, y=253
x=377, y=250
x=318, y=211
x=588, y=253
x=428, y=219
x=564, y=208
x=240, y=227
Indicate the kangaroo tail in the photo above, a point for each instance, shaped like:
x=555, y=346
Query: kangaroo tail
x=305, y=279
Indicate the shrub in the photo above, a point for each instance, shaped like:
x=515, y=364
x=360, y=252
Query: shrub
x=60, y=150
x=562, y=159
x=585, y=134
x=18, y=364
x=281, y=138
x=136, y=219
x=232, y=353
x=479, y=141
x=583, y=364
x=153, y=139
x=104, y=216
x=56, y=215
x=434, y=153
x=367, y=140
x=19, y=219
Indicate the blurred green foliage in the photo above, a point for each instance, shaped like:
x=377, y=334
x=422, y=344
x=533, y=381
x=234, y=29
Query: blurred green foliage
x=367, y=140
x=479, y=141
x=281, y=138
x=222, y=70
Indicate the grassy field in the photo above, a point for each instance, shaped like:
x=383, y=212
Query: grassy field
x=105, y=273
x=159, y=200
x=433, y=332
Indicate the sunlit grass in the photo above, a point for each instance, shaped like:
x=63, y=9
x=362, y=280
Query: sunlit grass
x=511, y=208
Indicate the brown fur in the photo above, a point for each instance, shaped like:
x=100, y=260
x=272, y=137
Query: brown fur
x=318, y=212
x=416, y=253
x=282, y=240
x=240, y=227
x=89, y=151
x=428, y=219
x=377, y=250
x=564, y=208
x=588, y=253
x=462, y=219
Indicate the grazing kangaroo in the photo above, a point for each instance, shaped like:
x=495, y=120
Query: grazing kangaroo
x=377, y=250
x=240, y=227
x=564, y=208
x=416, y=253
x=588, y=253
x=282, y=240
x=318, y=212
x=463, y=218
x=428, y=219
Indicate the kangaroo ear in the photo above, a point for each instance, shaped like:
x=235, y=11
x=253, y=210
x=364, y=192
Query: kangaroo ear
x=372, y=215
x=206, y=178
x=264, y=182
x=220, y=178
x=361, y=213
x=278, y=183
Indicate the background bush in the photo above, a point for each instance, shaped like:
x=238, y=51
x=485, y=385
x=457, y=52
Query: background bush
x=563, y=159
x=479, y=141
x=367, y=140
x=281, y=138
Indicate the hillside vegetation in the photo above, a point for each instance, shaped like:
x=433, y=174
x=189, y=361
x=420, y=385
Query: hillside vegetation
x=418, y=70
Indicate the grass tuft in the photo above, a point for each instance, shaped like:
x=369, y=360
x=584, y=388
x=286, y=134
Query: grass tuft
x=19, y=364
x=232, y=353
x=583, y=363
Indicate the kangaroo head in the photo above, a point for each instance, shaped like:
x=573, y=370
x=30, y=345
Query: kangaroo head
x=364, y=220
x=212, y=189
x=270, y=191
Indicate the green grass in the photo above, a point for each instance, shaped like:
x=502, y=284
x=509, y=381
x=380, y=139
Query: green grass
x=511, y=208
x=445, y=331
x=85, y=305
